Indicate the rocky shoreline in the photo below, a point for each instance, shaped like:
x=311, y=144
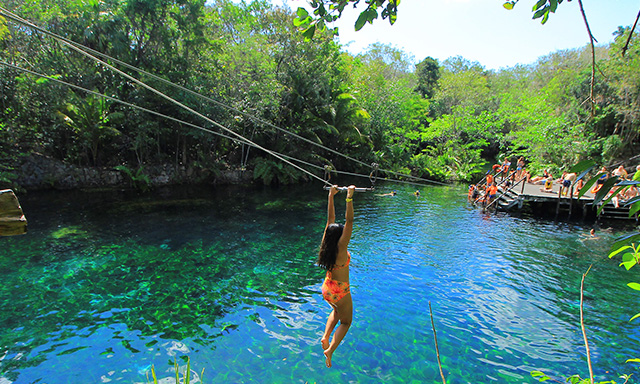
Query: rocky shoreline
x=39, y=172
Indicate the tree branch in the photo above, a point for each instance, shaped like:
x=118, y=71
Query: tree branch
x=584, y=331
x=435, y=338
x=626, y=45
x=593, y=61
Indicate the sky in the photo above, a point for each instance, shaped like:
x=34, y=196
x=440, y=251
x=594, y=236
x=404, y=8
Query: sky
x=482, y=30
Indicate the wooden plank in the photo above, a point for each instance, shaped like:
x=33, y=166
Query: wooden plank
x=12, y=220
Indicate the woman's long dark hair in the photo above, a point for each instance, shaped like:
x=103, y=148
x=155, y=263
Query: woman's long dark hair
x=329, y=247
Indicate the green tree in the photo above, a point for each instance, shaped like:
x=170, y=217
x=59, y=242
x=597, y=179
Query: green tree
x=93, y=124
x=428, y=74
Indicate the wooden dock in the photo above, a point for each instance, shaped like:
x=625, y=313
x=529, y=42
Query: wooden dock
x=531, y=196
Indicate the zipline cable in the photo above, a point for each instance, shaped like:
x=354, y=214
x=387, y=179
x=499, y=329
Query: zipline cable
x=181, y=105
x=62, y=82
x=72, y=43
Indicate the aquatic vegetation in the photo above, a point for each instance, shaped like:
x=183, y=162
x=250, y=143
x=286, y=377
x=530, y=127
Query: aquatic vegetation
x=68, y=232
x=188, y=376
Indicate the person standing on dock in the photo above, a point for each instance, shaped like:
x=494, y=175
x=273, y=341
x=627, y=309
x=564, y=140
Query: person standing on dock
x=492, y=191
x=567, y=180
x=505, y=167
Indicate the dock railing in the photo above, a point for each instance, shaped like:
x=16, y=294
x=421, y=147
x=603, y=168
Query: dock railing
x=504, y=192
x=484, y=179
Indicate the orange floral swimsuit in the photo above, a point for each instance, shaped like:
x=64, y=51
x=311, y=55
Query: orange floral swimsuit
x=334, y=290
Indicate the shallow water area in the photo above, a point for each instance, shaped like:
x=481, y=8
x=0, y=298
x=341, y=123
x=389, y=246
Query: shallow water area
x=107, y=284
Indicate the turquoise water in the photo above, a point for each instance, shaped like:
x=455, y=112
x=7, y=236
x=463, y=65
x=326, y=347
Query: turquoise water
x=106, y=284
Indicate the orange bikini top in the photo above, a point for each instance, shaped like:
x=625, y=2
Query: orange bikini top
x=344, y=265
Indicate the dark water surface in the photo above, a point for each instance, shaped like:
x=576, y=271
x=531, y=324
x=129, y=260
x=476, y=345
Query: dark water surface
x=106, y=284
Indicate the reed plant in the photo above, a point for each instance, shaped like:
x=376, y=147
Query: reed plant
x=186, y=375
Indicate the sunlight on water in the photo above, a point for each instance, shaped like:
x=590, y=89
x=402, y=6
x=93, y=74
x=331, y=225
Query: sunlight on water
x=105, y=285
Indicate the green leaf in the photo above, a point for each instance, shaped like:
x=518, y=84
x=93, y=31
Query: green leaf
x=632, y=200
x=553, y=5
x=624, y=240
x=619, y=250
x=634, y=208
x=608, y=200
x=604, y=190
x=588, y=184
x=362, y=19
x=628, y=260
x=626, y=183
x=302, y=13
x=540, y=376
x=633, y=360
x=539, y=4
x=540, y=13
x=508, y=5
x=392, y=18
x=301, y=22
x=309, y=32
x=635, y=286
x=545, y=18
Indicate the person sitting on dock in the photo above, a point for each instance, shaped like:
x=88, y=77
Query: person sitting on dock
x=620, y=172
x=548, y=184
x=539, y=179
x=579, y=186
x=624, y=195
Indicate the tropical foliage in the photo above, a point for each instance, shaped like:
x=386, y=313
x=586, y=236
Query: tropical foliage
x=258, y=76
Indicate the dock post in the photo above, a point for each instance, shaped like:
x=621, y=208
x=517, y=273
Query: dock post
x=570, y=200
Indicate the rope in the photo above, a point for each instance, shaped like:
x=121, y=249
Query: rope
x=81, y=48
x=181, y=105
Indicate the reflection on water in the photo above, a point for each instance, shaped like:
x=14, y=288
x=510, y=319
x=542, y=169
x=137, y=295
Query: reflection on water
x=105, y=285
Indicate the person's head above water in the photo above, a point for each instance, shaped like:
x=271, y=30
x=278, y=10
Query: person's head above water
x=329, y=247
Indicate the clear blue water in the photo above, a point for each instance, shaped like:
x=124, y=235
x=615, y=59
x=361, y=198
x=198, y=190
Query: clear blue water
x=106, y=284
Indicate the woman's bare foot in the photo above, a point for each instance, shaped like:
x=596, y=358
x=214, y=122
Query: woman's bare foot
x=327, y=354
x=325, y=344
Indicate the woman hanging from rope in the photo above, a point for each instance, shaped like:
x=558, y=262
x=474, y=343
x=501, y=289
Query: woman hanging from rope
x=334, y=258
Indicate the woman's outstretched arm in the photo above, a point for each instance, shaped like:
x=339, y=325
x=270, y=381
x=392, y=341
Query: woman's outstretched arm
x=331, y=211
x=348, y=216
